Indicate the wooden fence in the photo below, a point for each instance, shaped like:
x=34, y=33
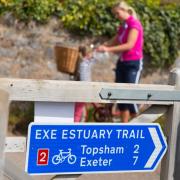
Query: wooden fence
x=165, y=100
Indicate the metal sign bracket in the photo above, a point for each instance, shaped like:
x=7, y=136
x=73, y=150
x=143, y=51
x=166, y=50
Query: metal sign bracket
x=140, y=94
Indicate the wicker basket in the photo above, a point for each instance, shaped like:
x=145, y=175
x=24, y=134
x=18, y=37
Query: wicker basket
x=66, y=58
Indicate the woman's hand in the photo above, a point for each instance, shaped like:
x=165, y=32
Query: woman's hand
x=102, y=48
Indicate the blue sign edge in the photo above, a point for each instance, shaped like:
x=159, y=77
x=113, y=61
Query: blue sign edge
x=97, y=124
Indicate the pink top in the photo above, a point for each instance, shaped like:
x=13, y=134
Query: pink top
x=136, y=53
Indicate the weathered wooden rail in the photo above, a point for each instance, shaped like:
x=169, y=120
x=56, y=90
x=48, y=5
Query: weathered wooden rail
x=167, y=97
x=73, y=91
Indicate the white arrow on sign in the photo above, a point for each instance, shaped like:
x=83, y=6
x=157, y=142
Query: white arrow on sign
x=157, y=150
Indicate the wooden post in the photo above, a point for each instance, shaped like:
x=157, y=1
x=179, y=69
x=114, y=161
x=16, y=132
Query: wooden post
x=171, y=131
x=4, y=112
x=177, y=157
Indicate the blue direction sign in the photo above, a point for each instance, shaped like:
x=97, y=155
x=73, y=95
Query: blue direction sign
x=92, y=148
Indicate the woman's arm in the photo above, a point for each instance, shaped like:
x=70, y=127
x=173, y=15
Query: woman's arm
x=132, y=38
x=112, y=42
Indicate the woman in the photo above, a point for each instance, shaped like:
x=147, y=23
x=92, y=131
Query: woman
x=128, y=42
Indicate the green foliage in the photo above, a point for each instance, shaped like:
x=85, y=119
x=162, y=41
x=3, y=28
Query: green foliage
x=92, y=17
x=21, y=114
x=151, y=3
x=4, y=4
x=39, y=10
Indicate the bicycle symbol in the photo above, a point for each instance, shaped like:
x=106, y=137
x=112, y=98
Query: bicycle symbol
x=60, y=158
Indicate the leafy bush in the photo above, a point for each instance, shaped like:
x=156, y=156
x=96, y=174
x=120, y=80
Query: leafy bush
x=151, y=3
x=39, y=10
x=21, y=114
x=161, y=24
x=4, y=2
x=4, y=5
x=92, y=17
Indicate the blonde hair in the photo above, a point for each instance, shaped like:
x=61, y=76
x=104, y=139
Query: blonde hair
x=126, y=7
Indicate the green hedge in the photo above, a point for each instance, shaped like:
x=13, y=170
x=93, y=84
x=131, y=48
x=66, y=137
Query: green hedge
x=27, y=10
x=88, y=17
x=94, y=17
